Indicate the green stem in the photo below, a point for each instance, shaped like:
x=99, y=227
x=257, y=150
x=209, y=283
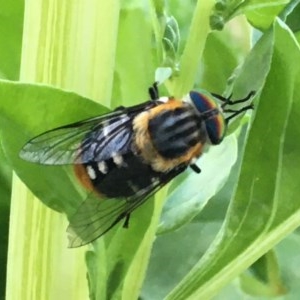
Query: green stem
x=193, y=50
x=63, y=41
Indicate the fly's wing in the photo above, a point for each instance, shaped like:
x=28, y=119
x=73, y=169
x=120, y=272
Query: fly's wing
x=90, y=140
x=95, y=217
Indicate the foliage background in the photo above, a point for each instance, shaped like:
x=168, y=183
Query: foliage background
x=259, y=215
x=11, y=18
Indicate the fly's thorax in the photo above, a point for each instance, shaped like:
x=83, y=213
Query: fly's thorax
x=169, y=135
x=210, y=113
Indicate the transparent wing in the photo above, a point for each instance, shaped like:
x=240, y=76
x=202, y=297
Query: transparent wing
x=89, y=140
x=95, y=216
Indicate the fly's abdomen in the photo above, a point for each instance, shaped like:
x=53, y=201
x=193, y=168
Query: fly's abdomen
x=120, y=176
x=174, y=132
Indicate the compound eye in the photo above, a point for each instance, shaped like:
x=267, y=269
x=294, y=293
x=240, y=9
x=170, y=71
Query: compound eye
x=202, y=103
x=215, y=124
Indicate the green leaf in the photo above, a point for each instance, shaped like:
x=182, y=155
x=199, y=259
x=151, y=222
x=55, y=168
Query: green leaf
x=260, y=13
x=263, y=278
x=292, y=17
x=288, y=260
x=132, y=80
x=177, y=252
x=18, y=126
x=259, y=216
x=187, y=198
x=215, y=69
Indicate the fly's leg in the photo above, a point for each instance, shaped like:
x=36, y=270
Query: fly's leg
x=126, y=222
x=153, y=91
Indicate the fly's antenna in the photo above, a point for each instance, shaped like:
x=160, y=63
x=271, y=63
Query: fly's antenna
x=229, y=102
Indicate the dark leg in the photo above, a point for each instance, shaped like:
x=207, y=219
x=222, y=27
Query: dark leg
x=230, y=102
x=119, y=108
x=153, y=91
x=237, y=112
x=126, y=222
x=195, y=168
x=221, y=98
